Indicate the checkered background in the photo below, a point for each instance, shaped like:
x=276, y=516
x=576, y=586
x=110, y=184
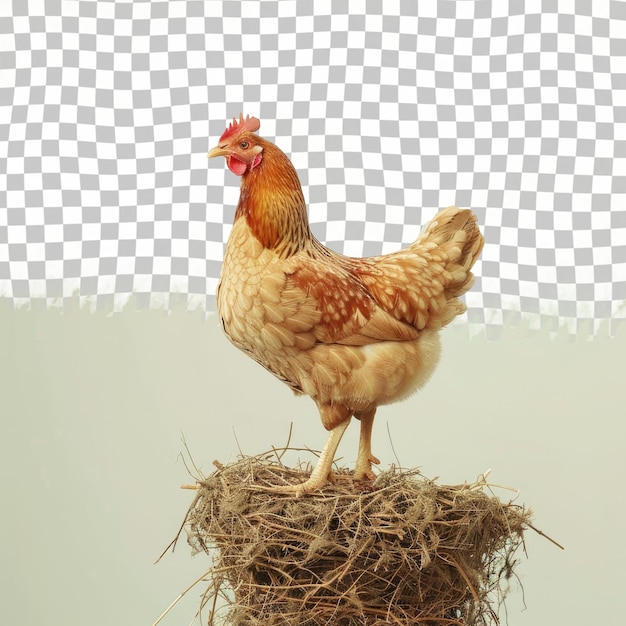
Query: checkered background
x=388, y=110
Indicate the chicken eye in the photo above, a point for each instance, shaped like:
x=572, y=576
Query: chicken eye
x=243, y=145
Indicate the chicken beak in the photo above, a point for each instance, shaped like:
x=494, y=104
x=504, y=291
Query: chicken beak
x=217, y=151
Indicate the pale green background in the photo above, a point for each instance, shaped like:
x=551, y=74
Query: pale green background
x=93, y=408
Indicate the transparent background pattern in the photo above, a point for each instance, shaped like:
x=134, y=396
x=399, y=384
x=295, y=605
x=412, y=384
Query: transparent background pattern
x=389, y=111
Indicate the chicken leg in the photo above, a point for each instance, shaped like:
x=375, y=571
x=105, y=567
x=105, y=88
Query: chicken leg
x=365, y=458
x=319, y=475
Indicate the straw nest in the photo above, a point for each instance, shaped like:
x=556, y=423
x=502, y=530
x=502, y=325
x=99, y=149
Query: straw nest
x=401, y=550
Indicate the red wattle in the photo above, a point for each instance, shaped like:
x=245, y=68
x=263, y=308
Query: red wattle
x=256, y=160
x=236, y=166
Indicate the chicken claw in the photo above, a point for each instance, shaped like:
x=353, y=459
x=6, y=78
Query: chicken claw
x=363, y=468
x=319, y=475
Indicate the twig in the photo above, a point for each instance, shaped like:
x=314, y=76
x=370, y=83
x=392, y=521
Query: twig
x=540, y=532
x=392, y=446
x=174, y=541
x=198, y=471
x=180, y=596
x=284, y=449
x=237, y=442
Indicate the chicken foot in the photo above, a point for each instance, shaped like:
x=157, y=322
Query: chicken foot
x=365, y=458
x=319, y=475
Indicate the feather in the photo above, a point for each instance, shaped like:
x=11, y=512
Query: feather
x=277, y=336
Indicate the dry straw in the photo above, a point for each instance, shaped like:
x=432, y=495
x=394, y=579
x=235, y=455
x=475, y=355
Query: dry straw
x=402, y=550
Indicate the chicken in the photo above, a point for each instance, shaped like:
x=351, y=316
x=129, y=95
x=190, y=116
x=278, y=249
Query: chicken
x=351, y=333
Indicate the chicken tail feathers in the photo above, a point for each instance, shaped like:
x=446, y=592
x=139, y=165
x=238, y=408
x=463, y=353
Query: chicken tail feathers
x=455, y=233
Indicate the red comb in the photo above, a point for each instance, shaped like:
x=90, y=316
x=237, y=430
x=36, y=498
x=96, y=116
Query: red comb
x=250, y=123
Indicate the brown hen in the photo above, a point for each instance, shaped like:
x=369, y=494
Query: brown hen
x=351, y=333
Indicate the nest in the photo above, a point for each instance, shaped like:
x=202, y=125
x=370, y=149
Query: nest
x=401, y=550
